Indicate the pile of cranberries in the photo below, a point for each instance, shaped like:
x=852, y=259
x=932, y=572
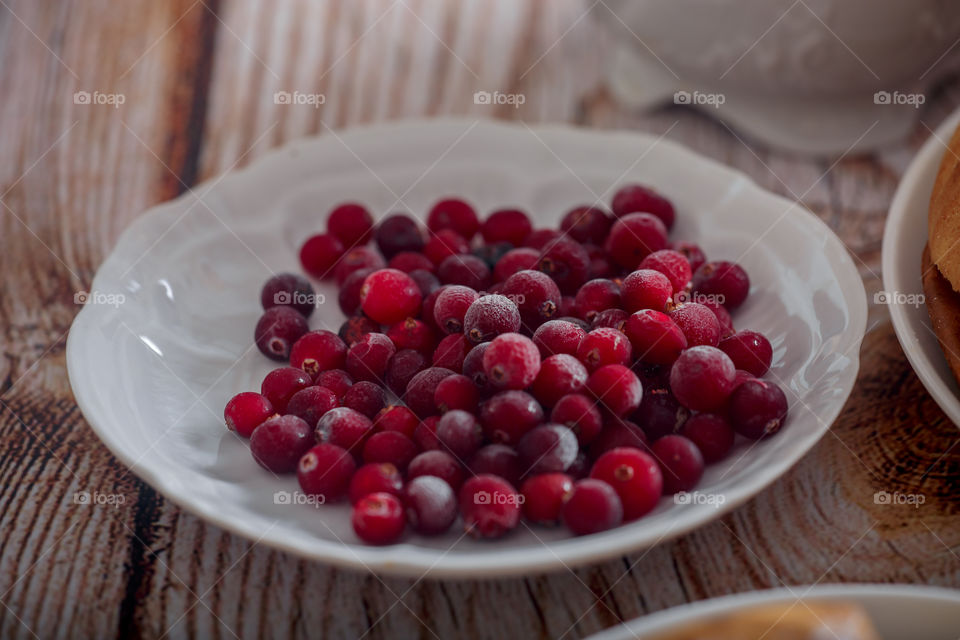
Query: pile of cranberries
x=490, y=370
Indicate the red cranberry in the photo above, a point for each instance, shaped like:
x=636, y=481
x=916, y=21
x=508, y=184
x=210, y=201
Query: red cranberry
x=413, y=334
x=596, y=296
x=459, y=432
x=633, y=198
x=757, y=409
x=368, y=358
x=514, y=261
x=723, y=316
x=604, y=346
x=660, y=413
x=373, y=478
x=396, y=418
x=456, y=392
x=465, y=270
x=379, y=518
x=535, y=294
x=498, y=460
x=592, y=506
x=511, y=361
x=345, y=428
x=311, y=403
x=420, y=390
x=355, y=328
x=278, y=443
x=337, y=380
x=645, y=289
x=559, y=375
x=702, y=378
x=750, y=351
x=348, y=298
x=655, y=337
x=725, y=281
x=246, y=411
x=506, y=225
x=611, y=318
x=409, y=261
x=543, y=497
x=396, y=233
x=508, y=415
x=692, y=252
x=389, y=296
x=351, y=223
x=277, y=330
x=442, y=245
x=742, y=376
x=356, y=259
x=672, y=264
x=698, y=323
x=402, y=367
x=558, y=336
x=548, y=448
x=451, y=307
x=489, y=316
x=289, y=290
x=451, y=352
x=473, y=368
x=580, y=467
x=318, y=351
x=567, y=263
x=325, y=470
x=366, y=397
x=580, y=414
x=425, y=435
x=634, y=237
x=428, y=283
x=319, y=254
x=437, y=463
x=490, y=506
x=587, y=224
x=616, y=387
x=279, y=385
x=712, y=434
x=390, y=446
x=540, y=238
x=617, y=433
x=431, y=505
x=455, y=214
x=491, y=253
x=634, y=475
x=680, y=462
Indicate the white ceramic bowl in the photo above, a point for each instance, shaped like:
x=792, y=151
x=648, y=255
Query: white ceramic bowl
x=153, y=373
x=904, y=237
x=899, y=612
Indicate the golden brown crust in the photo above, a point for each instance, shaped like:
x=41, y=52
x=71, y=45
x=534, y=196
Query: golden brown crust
x=943, y=305
x=943, y=216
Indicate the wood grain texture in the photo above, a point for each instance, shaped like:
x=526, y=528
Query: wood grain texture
x=199, y=81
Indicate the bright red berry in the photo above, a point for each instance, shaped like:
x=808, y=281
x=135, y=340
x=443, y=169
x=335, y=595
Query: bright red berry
x=592, y=506
x=319, y=254
x=246, y=411
x=325, y=470
x=511, y=361
x=389, y=296
x=379, y=518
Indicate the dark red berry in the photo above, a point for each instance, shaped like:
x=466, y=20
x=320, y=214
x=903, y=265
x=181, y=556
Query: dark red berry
x=413, y=334
x=246, y=411
x=278, y=443
x=506, y=225
x=473, y=368
x=379, y=518
x=442, y=245
x=396, y=418
x=373, y=478
x=437, y=463
x=456, y=392
x=645, y=289
x=692, y=252
x=279, y=385
x=325, y=470
x=712, y=434
x=389, y=296
x=491, y=253
x=604, y=346
x=558, y=336
x=404, y=364
x=459, y=432
x=634, y=475
x=548, y=448
x=567, y=263
x=277, y=330
x=368, y=358
x=345, y=428
x=660, y=414
x=617, y=432
x=465, y=270
x=498, y=460
x=455, y=214
x=355, y=328
x=757, y=409
x=540, y=238
x=390, y=446
x=351, y=223
x=311, y=403
x=409, y=261
x=357, y=259
x=580, y=414
x=425, y=435
x=366, y=397
x=634, y=198
x=289, y=290
x=634, y=237
x=655, y=337
x=451, y=307
x=543, y=497
x=514, y=261
x=420, y=390
x=337, y=380
x=680, y=462
x=428, y=283
x=431, y=505
x=559, y=375
x=348, y=298
x=596, y=296
x=727, y=282
x=319, y=254
x=750, y=351
x=702, y=378
x=698, y=323
x=489, y=316
x=490, y=506
x=318, y=351
x=511, y=361
x=451, y=352
x=611, y=318
x=535, y=294
x=592, y=506
x=672, y=264
x=396, y=233
x=587, y=224
x=617, y=388
x=508, y=415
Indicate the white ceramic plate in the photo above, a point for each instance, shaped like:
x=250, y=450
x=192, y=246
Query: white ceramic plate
x=899, y=612
x=904, y=237
x=152, y=374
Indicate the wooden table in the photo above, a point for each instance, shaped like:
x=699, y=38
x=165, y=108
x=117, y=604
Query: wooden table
x=197, y=82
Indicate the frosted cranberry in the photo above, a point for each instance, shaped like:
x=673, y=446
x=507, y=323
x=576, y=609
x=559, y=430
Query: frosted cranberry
x=547, y=448
x=404, y=364
x=634, y=475
x=580, y=414
x=348, y=298
x=413, y=334
x=634, y=198
x=473, y=368
x=356, y=259
x=311, y=403
x=702, y=378
x=489, y=316
x=389, y=446
x=602, y=347
x=645, y=289
x=655, y=337
x=617, y=432
x=345, y=428
x=490, y=506
x=596, y=296
x=660, y=413
x=409, y=261
x=506, y=225
x=373, y=478
x=444, y=244
x=278, y=443
x=451, y=352
x=680, y=462
x=540, y=238
x=712, y=434
x=535, y=294
x=698, y=324
x=567, y=263
x=366, y=397
x=455, y=214
x=431, y=505
x=726, y=281
x=288, y=290
x=318, y=351
x=721, y=313
x=558, y=336
x=459, y=432
x=750, y=351
x=611, y=318
x=587, y=224
x=337, y=380
x=498, y=460
x=591, y=506
x=465, y=270
x=508, y=415
x=246, y=411
x=514, y=261
x=437, y=463
x=543, y=497
x=420, y=390
x=368, y=358
x=451, y=307
x=671, y=264
x=634, y=237
x=279, y=385
x=379, y=518
x=396, y=233
x=355, y=328
x=425, y=435
x=396, y=418
x=325, y=470
x=757, y=409
x=559, y=375
x=692, y=252
x=456, y=392
x=389, y=296
x=428, y=283
x=277, y=330
x=616, y=387
x=319, y=255
x=511, y=361
x=351, y=223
